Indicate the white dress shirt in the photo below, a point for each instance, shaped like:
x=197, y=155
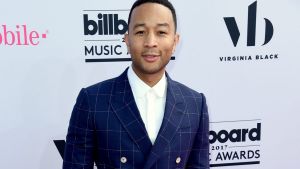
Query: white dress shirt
x=150, y=102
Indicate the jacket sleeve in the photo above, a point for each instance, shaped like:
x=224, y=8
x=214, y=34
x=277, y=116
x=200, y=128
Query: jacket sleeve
x=80, y=137
x=199, y=156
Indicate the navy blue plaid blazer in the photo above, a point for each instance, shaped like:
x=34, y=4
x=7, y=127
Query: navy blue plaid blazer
x=106, y=129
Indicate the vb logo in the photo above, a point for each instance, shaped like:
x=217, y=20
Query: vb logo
x=251, y=31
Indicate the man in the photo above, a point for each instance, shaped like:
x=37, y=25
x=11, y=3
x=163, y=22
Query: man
x=141, y=119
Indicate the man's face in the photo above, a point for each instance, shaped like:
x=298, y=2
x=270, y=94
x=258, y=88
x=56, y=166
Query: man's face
x=152, y=39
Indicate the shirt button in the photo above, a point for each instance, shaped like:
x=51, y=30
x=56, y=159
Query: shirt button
x=123, y=160
x=178, y=160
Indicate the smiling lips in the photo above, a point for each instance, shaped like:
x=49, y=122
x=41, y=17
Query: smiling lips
x=150, y=57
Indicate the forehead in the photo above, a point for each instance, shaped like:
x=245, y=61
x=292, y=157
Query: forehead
x=151, y=14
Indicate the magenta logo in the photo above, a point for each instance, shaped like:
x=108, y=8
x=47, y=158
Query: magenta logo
x=20, y=35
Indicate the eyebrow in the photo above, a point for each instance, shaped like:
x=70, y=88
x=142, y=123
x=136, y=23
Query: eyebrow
x=164, y=24
x=139, y=25
x=158, y=25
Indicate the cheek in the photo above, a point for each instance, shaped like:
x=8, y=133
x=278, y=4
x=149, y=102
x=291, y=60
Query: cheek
x=135, y=46
x=169, y=48
x=134, y=50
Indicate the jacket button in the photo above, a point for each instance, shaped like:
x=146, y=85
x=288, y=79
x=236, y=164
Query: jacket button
x=123, y=160
x=178, y=160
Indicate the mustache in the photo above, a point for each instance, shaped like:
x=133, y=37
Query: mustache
x=151, y=52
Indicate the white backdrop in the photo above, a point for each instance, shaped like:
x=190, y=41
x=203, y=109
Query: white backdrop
x=256, y=99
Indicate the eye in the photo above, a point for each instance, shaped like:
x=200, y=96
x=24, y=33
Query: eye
x=139, y=33
x=162, y=32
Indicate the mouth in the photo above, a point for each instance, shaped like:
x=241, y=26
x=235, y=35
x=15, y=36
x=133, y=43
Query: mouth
x=150, y=57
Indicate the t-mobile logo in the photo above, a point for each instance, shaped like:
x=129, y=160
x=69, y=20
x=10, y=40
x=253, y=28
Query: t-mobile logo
x=20, y=36
x=235, y=33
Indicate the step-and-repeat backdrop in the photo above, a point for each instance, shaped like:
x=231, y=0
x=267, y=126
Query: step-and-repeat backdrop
x=244, y=55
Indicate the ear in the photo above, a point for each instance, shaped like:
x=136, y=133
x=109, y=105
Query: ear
x=127, y=42
x=176, y=41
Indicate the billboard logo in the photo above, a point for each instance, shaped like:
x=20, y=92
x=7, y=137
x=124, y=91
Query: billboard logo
x=103, y=32
x=234, y=143
x=236, y=135
x=106, y=24
x=251, y=29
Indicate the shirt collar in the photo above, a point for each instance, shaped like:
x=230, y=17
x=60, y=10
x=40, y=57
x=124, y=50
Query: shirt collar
x=140, y=88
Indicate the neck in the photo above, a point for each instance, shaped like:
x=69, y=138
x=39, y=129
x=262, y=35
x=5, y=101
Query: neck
x=150, y=79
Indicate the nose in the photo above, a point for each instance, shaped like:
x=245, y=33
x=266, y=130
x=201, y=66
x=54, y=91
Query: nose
x=150, y=40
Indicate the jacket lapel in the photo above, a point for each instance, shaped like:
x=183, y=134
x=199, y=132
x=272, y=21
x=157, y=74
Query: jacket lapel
x=125, y=108
x=174, y=113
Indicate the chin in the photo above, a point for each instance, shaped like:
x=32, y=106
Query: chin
x=153, y=70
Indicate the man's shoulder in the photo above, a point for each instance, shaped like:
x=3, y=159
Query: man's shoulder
x=185, y=90
x=103, y=87
x=189, y=95
x=106, y=86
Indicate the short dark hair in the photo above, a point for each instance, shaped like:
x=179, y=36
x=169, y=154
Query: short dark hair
x=165, y=3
